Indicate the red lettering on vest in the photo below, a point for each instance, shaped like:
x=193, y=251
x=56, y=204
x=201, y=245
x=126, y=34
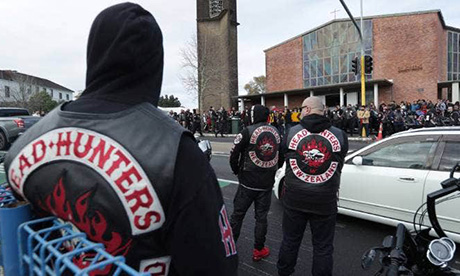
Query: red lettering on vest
x=103, y=156
x=138, y=197
x=126, y=177
x=147, y=219
x=116, y=164
x=87, y=147
x=23, y=164
x=35, y=155
x=15, y=179
x=63, y=143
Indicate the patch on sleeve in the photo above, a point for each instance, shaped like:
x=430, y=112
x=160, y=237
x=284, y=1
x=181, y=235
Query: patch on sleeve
x=157, y=266
x=238, y=139
x=227, y=234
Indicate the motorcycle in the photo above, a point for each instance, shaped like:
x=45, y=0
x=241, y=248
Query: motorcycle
x=416, y=252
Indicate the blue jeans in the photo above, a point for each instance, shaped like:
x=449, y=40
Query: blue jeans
x=322, y=232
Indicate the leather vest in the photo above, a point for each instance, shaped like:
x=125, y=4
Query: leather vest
x=313, y=167
x=262, y=152
x=110, y=175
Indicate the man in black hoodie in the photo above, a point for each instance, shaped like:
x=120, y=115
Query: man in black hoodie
x=315, y=153
x=254, y=158
x=119, y=169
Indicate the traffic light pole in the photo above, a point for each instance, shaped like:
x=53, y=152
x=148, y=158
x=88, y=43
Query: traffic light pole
x=363, y=78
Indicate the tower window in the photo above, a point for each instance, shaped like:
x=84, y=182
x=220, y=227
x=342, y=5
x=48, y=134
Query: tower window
x=215, y=7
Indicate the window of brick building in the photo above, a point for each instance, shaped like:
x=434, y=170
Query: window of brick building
x=328, y=51
x=453, y=56
x=7, y=91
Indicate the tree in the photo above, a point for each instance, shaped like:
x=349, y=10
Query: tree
x=203, y=76
x=256, y=86
x=41, y=102
x=170, y=101
x=19, y=92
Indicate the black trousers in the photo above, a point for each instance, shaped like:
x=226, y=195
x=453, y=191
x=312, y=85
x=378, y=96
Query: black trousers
x=241, y=203
x=197, y=127
x=322, y=233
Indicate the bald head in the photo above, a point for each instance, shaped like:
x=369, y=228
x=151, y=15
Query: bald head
x=312, y=105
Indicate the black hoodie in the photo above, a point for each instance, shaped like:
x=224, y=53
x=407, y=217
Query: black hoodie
x=124, y=61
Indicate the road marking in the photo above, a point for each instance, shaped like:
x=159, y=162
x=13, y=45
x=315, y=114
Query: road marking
x=226, y=182
x=220, y=154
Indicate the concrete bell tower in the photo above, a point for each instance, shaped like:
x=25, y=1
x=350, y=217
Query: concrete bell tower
x=217, y=53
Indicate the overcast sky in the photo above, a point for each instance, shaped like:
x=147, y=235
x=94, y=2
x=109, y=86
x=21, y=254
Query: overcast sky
x=47, y=38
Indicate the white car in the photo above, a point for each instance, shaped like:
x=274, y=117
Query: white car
x=387, y=181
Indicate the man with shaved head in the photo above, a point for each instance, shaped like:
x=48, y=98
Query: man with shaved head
x=314, y=153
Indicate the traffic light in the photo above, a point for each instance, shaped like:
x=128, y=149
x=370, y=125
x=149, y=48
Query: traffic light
x=355, y=65
x=368, y=64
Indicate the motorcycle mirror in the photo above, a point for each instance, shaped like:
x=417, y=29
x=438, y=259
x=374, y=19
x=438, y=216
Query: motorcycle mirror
x=368, y=259
x=454, y=169
x=357, y=160
x=388, y=241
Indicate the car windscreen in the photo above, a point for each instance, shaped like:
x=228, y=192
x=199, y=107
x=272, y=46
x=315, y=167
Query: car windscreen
x=13, y=112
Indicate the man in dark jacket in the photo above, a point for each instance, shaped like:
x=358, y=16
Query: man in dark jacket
x=254, y=158
x=196, y=123
x=315, y=153
x=119, y=169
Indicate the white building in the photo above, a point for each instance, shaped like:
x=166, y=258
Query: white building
x=16, y=86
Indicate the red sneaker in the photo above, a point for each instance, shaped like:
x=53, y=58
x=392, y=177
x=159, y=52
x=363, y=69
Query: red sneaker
x=257, y=255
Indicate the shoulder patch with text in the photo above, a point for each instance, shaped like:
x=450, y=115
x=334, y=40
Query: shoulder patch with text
x=107, y=158
x=314, y=163
x=267, y=141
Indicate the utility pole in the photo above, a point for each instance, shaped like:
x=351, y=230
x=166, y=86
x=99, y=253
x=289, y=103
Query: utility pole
x=363, y=78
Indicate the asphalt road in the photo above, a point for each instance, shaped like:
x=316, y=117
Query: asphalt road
x=352, y=238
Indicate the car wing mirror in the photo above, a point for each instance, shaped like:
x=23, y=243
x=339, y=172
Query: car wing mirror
x=357, y=160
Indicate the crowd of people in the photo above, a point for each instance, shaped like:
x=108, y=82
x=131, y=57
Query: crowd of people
x=392, y=117
x=212, y=121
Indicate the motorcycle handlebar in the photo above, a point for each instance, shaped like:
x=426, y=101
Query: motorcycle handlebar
x=393, y=269
x=396, y=254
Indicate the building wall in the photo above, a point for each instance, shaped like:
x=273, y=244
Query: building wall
x=407, y=50
x=283, y=65
x=16, y=94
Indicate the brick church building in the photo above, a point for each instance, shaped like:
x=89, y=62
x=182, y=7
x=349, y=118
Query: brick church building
x=416, y=56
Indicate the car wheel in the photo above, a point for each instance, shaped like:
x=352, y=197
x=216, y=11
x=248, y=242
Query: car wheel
x=3, y=142
x=281, y=189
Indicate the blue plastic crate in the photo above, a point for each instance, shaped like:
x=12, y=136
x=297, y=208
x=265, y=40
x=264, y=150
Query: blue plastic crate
x=49, y=247
x=6, y=195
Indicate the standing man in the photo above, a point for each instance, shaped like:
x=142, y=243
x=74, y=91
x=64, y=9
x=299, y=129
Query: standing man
x=254, y=158
x=363, y=116
x=196, y=118
x=146, y=193
x=315, y=152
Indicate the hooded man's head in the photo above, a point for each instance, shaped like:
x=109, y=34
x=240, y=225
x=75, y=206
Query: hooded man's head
x=124, y=56
x=259, y=113
x=312, y=105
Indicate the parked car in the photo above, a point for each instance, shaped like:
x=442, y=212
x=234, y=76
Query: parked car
x=389, y=180
x=13, y=122
x=20, y=113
